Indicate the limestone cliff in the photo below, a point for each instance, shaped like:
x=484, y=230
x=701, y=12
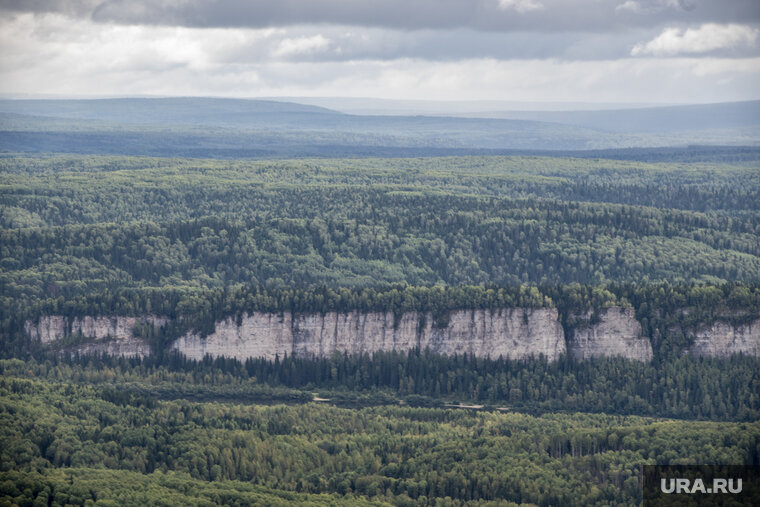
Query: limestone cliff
x=614, y=332
x=258, y=335
x=125, y=348
x=722, y=339
x=110, y=335
x=512, y=333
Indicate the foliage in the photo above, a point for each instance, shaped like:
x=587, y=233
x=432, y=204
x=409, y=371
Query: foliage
x=199, y=240
x=63, y=441
x=683, y=387
x=173, y=230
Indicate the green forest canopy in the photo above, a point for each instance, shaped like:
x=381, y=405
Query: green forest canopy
x=74, y=226
x=67, y=441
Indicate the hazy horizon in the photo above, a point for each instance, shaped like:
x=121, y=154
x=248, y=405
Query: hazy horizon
x=386, y=106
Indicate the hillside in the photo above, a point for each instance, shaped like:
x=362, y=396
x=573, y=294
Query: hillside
x=662, y=119
x=167, y=111
x=236, y=128
x=572, y=312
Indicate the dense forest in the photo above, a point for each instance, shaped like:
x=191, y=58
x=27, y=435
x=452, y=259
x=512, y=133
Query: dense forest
x=687, y=388
x=67, y=439
x=77, y=226
x=209, y=239
x=200, y=240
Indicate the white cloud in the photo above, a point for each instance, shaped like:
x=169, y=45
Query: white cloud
x=630, y=5
x=302, y=46
x=53, y=54
x=706, y=38
x=653, y=6
x=521, y=6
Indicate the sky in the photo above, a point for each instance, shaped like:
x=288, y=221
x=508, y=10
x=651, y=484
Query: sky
x=606, y=51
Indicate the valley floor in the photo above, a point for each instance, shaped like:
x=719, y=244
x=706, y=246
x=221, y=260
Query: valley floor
x=68, y=438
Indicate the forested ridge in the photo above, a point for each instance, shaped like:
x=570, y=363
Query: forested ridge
x=84, y=225
x=208, y=239
x=202, y=240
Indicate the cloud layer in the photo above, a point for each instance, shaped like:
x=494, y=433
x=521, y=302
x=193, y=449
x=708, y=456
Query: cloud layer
x=543, y=50
x=537, y=15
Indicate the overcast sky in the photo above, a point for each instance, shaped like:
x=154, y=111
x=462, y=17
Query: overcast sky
x=669, y=51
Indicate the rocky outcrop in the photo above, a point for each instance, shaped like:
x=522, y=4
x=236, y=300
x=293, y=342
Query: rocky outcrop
x=110, y=335
x=722, y=339
x=612, y=332
x=514, y=333
x=52, y=328
x=48, y=329
x=258, y=335
x=509, y=333
x=134, y=347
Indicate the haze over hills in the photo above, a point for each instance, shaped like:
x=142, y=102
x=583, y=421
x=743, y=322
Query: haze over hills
x=170, y=111
x=652, y=119
x=469, y=108
x=615, y=117
x=224, y=128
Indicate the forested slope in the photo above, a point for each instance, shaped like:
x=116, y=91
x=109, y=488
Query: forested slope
x=60, y=434
x=77, y=225
x=195, y=241
x=172, y=236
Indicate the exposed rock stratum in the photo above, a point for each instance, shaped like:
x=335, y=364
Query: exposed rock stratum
x=513, y=333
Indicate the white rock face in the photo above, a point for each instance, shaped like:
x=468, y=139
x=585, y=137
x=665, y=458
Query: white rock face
x=259, y=335
x=50, y=328
x=721, y=339
x=511, y=333
x=617, y=334
x=116, y=334
x=56, y=327
x=125, y=348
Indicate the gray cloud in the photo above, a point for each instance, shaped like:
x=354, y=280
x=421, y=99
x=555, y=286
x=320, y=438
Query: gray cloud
x=344, y=43
x=55, y=54
x=331, y=43
x=487, y=15
x=73, y=8
x=545, y=50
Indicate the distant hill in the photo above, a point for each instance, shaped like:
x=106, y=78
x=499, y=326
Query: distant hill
x=167, y=111
x=254, y=113
x=241, y=128
x=639, y=118
x=652, y=119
